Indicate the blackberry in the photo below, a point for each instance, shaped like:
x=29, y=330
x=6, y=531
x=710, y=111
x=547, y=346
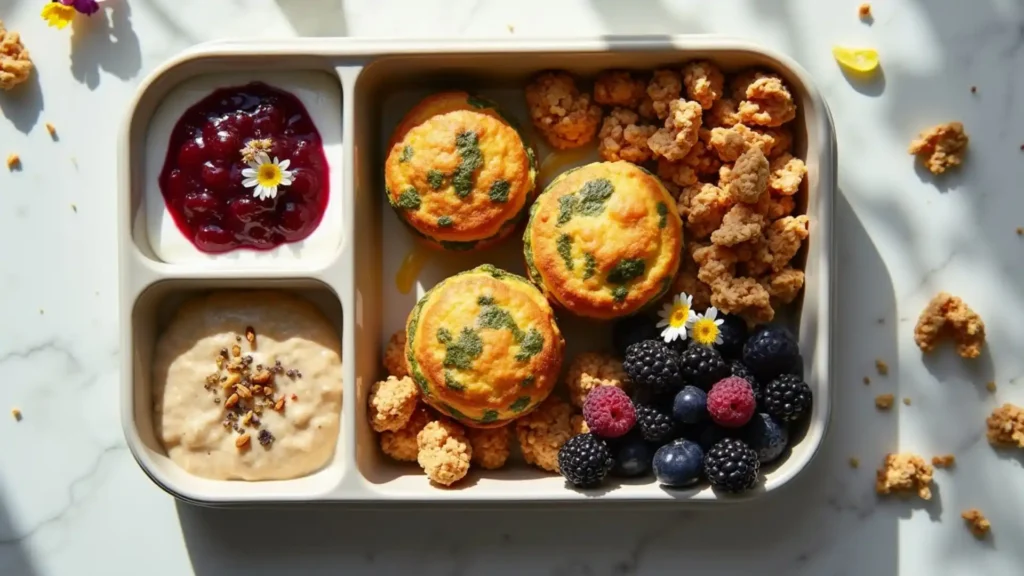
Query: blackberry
x=738, y=368
x=771, y=351
x=731, y=466
x=702, y=366
x=653, y=368
x=584, y=460
x=787, y=398
x=734, y=334
x=655, y=425
x=631, y=330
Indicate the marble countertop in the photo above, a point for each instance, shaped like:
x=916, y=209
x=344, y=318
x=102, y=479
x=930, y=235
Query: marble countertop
x=73, y=501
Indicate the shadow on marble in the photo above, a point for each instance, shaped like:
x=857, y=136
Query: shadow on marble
x=906, y=506
x=949, y=180
x=652, y=18
x=873, y=85
x=105, y=41
x=950, y=369
x=14, y=558
x=23, y=105
x=315, y=17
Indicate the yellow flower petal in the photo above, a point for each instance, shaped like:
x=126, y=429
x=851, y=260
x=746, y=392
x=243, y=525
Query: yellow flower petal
x=58, y=15
x=862, y=60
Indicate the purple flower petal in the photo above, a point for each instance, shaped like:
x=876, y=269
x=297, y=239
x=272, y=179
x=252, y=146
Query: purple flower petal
x=87, y=7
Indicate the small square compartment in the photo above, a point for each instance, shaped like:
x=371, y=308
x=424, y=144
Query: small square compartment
x=157, y=111
x=150, y=314
x=390, y=86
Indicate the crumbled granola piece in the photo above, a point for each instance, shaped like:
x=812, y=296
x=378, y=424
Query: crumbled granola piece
x=678, y=173
x=623, y=138
x=784, y=285
x=704, y=82
x=394, y=356
x=787, y=173
x=903, y=474
x=780, y=139
x=714, y=263
x=664, y=88
x=15, y=64
x=646, y=108
x=542, y=432
x=743, y=297
x=754, y=258
x=392, y=402
x=854, y=462
x=490, y=446
x=13, y=161
x=706, y=209
x=882, y=367
x=590, y=370
x=681, y=131
x=740, y=224
x=747, y=179
x=579, y=425
x=941, y=147
x=764, y=99
x=619, y=88
x=731, y=143
x=16, y=414
x=785, y=237
x=990, y=386
x=444, y=452
x=780, y=206
x=906, y=401
x=724, y=113
x=701, y=158
x=884, y=401
x=946, y=314
x=864, y=11
x=563, y=115
x=976, y=522
x=867, y=380
x=1006, y=426
x=50, y=129
x=944, y=461
x=401, y=444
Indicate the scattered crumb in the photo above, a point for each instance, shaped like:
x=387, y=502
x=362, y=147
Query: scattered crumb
x=941, y=146
x=883, y=401
x=902, y=474
x=881, y=366
x=976, y=521
x=864, y=11
x=906, y=401
x=944, y=461
x=13, y=161
x=974, y=89
x=40, y=311
x=990, y=386
x=75, y=208
x=16, y=414
x=51, y=129
x=511, y=29
x=444, y=452
x=947, y=314
x=1020, y=231
x=854, y=462
x=1006, y=426
x=881, y=320
x=867, y=380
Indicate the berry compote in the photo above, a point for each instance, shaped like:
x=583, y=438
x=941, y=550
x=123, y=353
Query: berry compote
x=201, y=181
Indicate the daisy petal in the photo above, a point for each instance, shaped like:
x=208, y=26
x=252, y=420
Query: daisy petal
x=250, y=182
x=249, y=172
x=262, y=158
x=719, y=322
x=284, y=164
x=661, y=324
x=711, y=312
x=669, y=334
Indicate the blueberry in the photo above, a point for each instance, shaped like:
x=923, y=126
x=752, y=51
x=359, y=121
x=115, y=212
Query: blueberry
x=734, y=335
x=771, y=351
x=632, y=457
x=767, y=437
x=712, y=433
x=690, y=405
x=678, y=463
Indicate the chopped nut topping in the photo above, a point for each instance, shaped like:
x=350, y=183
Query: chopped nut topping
x=236, y=350
x=243, y=391
x=247, y=418
x=279, y=405
x=266, y=438
x=232, y=400
x=257, y=390
x=250, y=335
x=268, y=390
x=242, y=441
x=262, y=377
x=232, y=380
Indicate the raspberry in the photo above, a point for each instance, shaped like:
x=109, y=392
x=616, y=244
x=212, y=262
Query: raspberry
x=731, y=402
x=609, y=412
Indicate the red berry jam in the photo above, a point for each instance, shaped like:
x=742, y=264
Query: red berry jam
x=202, y=176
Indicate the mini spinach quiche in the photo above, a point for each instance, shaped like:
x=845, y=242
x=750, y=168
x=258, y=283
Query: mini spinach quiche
x=458, y=172
x=604, y=240
x=483, y=347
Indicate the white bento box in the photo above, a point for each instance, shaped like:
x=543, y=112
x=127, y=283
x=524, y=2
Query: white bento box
x=352, y=278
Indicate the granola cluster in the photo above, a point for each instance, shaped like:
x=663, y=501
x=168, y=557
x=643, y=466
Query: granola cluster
x=941, y=147
x=15, y=64
x=947, y=315
x=904, y=474
x=590, y=370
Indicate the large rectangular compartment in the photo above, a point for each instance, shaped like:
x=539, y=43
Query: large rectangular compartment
x=379, y=81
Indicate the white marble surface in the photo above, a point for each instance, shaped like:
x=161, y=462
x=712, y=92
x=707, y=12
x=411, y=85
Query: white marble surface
x=72, y=500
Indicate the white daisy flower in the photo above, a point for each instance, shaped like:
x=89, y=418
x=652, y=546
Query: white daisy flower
x=676, y=317
x=266, y=176
x=705, y=328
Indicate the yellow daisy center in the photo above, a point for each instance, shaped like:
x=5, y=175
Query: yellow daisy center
x=269, y=175
x=680, y=312
x=705, y=331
